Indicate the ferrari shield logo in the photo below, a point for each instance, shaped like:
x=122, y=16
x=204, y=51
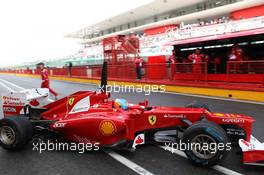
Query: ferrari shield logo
x=152, y=119
x=71, y=100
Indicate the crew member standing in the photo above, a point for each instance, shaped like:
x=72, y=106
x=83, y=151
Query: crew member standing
x=232, y=56
x=172, y=61
x=238, y=51
x=70, y=69
x=197, y=58
x=45, y=79
x=235, y=59
x=139, y=65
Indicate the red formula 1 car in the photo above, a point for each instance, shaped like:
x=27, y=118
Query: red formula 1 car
x=88, y=116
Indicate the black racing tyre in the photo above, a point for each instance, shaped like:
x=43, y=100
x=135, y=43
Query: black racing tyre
x=198, y=105
x=208, y=143
x=15, y=132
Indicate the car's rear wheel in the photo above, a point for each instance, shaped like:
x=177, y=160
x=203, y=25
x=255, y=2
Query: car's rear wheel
x=207, y=143
x=15, y=132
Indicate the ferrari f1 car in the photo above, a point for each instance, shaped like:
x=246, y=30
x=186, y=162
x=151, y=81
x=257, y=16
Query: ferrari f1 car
x=88, y=116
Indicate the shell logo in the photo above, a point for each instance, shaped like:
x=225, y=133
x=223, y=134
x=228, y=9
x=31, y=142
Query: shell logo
x=107, y=127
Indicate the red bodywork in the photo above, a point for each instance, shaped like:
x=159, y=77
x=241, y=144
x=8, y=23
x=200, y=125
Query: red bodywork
x=103, y=123
x=90, y=117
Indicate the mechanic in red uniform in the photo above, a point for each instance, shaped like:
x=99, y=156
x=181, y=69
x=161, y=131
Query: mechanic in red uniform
x=239, y=52
x=45, y=78
x=172, y=61
x=236, y=56
x=217, y=62
x=197, y=58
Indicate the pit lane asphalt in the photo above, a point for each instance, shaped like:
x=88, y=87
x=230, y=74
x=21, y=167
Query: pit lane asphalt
x=150, y=157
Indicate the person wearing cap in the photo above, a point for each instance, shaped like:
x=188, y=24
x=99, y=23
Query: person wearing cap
x=45, y=78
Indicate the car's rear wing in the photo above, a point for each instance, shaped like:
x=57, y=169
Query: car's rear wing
x=13, y=103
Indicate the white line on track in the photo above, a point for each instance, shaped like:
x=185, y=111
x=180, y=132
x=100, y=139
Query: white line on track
x=219, y=168
x=12, y=84
x=133, y=166
x=6, y=87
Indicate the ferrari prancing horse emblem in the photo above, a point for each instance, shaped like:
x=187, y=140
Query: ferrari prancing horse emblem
x=152, y=119
x=71, y=101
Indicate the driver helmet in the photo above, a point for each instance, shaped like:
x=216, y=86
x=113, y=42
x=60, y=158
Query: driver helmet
x=121, y=103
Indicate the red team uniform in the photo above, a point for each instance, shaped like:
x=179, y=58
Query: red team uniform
x=172, y=61
x=196, y=59
x=45, y=81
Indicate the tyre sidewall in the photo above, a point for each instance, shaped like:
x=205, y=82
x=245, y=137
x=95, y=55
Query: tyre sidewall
x=206, y=128
x=22, y=129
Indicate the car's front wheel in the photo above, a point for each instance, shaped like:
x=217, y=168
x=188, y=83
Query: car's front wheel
x=207, y=143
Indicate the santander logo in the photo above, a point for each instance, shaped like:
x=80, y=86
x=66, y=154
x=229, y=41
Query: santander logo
x=139, y=140
x=34, y=102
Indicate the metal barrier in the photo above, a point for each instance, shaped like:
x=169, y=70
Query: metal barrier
x=245, y=71
x=245, y=67
x=250, y=72
x=189, y=72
